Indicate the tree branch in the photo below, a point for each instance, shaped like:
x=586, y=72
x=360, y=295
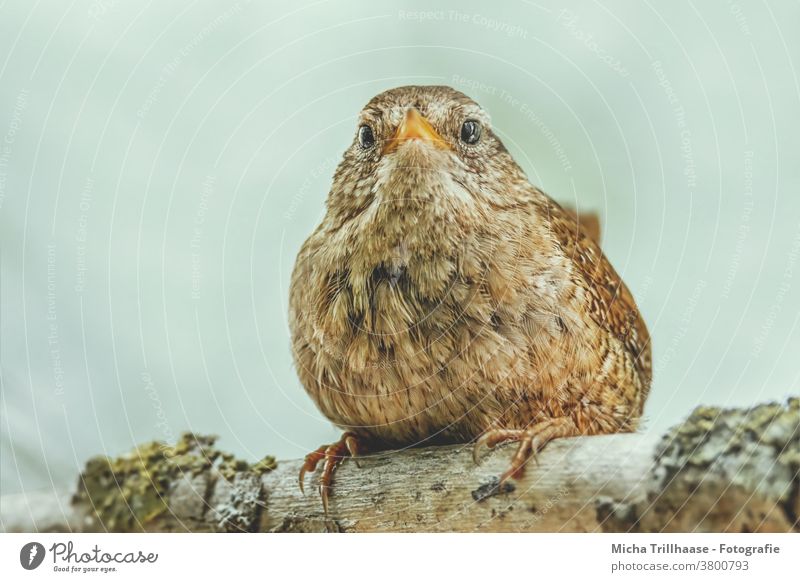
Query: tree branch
x=720, y=470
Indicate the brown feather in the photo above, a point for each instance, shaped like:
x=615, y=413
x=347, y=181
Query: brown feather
x=443, y=295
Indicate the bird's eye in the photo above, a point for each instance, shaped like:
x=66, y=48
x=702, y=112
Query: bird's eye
x=366, y=139
x=470, y=132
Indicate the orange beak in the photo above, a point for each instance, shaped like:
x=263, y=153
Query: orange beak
x=414, y=126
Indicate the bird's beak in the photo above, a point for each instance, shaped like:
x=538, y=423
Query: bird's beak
x=414, y=126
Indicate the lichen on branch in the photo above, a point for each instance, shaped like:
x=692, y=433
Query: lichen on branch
x=133, y=492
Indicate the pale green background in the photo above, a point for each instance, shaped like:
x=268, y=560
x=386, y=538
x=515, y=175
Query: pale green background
x=202, y=137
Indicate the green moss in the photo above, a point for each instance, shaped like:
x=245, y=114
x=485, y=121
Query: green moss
x=738, y=467
x=131, y=491
x=710, y=433
x=265, y=465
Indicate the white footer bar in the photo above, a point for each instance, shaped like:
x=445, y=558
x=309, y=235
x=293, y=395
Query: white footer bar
x=387, y=557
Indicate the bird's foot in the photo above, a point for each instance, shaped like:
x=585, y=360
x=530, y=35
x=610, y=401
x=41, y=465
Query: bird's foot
x=531, y=441
x=347, y=446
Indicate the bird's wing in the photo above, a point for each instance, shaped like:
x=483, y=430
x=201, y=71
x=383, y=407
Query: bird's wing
x=608, y=301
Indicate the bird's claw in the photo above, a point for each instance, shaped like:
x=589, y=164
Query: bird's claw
x=531, y=441
x=491, y=438
x=310, y=464
x=351, y=443
x=333, y=454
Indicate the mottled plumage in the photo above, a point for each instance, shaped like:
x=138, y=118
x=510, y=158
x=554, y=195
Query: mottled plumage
x=444, y=297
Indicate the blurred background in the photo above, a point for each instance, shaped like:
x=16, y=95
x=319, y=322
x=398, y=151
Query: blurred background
x=162, y=162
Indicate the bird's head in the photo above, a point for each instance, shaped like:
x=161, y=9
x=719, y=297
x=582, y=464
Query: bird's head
x=422, y=149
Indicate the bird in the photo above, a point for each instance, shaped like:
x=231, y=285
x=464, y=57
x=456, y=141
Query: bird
x=445, y=299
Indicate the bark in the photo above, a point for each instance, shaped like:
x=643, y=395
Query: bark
x=720, y=470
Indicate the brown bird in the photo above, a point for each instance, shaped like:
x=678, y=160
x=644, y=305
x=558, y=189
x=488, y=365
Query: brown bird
x=444, y=299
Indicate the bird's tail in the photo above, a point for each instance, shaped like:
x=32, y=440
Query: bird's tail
x=588, y=221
